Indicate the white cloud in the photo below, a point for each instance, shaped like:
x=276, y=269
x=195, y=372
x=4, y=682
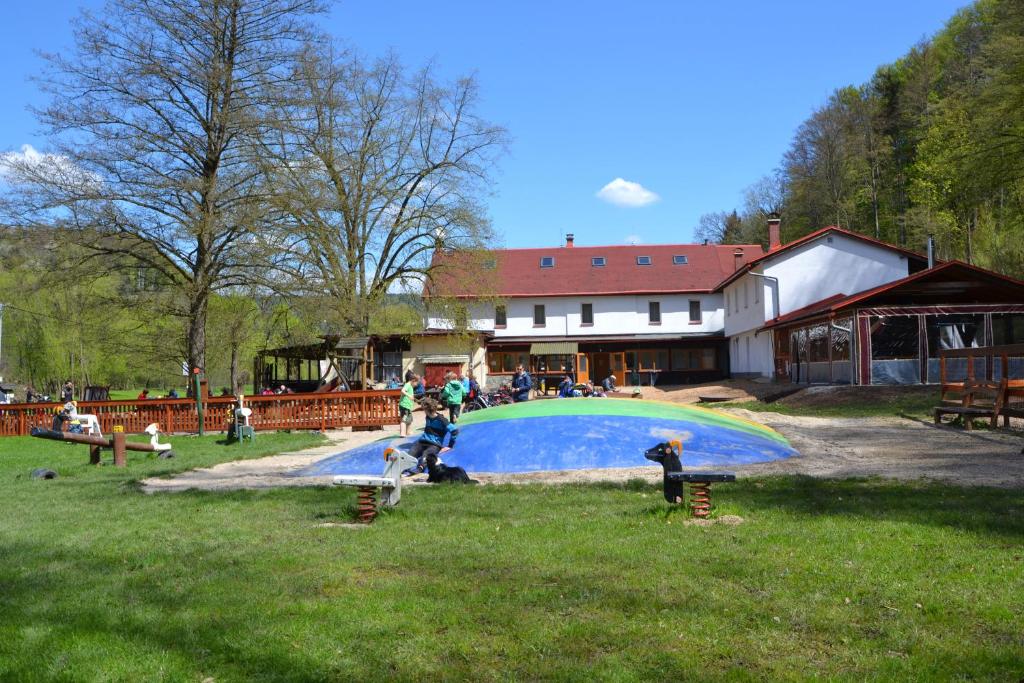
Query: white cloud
x=633, y=239
x=30, y=163
x=626, y=193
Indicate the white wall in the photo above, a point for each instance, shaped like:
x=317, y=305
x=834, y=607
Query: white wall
x=751, y=353
x=832, y=264
x=750, y=301
x=612, y=315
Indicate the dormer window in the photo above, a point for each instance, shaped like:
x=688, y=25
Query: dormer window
x=643, y=260
x=547, y=261
x=597, y=261
x=679, y=260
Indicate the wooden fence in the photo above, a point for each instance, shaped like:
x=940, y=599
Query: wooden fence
x=178, y=415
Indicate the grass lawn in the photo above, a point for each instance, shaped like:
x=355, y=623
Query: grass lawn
x=882, y=404
x=847, y=580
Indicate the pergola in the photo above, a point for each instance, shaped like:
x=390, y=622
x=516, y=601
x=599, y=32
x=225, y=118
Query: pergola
x=892, y=334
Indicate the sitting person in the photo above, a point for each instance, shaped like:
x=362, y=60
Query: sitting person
x=431, y=441
x=565, y=387
x=267, y=391
x=608, y=383
x=144, y=395
x=173, y=393
x=63, y=415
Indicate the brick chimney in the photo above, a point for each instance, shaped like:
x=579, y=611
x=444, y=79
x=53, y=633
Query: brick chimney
x=737, y=256
x=568, y=240
x=774, y=236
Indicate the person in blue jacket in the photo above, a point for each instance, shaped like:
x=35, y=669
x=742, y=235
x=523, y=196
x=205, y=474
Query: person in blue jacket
x=521, y=385
x=565, y=387
x=436, y=428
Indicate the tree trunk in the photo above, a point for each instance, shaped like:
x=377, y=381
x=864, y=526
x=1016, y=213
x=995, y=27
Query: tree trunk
x=197, y=331
x=234, y=370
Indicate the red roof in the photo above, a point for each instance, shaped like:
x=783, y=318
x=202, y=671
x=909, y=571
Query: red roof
x=518, y=272
x=951, y=282
x=810, y=237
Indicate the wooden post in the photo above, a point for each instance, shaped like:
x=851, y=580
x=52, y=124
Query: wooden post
x=120, y=452
x=94, y=455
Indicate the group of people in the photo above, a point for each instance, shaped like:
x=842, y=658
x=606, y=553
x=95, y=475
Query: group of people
x=281, y=390
x=568, y=388
x=144, y=394
x=457, y=390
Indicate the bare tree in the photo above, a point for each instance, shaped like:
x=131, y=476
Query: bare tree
x=155, y=123
x=378, y=171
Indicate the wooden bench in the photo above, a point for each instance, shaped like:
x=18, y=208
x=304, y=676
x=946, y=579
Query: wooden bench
x=980, y=398
x=1011, y=407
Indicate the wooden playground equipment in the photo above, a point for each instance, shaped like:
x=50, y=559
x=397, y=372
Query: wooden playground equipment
x=118, y=443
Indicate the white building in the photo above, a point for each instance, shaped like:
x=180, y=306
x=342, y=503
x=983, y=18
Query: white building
x=643, y=313
x=833, y=306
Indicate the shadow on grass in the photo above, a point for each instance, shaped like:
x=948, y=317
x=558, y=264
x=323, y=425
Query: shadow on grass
x=976, y=509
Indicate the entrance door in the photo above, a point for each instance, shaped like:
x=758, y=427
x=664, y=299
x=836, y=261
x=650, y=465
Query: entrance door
x=618, y=365
x=582, y=368
x=602, y=366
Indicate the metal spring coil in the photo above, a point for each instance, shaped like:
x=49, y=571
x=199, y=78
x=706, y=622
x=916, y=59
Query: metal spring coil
x=366, y=503
x=700, y=498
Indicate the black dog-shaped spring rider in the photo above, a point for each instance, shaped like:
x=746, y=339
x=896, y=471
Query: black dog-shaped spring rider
x=669, y=456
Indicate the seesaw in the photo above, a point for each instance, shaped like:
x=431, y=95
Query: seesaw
x=118, y=443
x=390, y=484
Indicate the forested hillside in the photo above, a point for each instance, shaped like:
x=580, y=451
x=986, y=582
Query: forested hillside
x=931, y=144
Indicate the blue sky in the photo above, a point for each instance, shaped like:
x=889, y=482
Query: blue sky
x=693, y=101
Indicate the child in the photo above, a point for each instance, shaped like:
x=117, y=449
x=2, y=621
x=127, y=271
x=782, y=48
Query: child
x=407, y=403
x=432, y=439
x=451, y=396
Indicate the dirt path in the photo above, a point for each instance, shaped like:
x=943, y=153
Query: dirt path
x=829, y=447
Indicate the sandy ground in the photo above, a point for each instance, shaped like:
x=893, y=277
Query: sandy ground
x=829, y=447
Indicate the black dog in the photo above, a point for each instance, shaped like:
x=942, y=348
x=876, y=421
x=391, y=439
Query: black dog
x=439, y=473
x=665, y=455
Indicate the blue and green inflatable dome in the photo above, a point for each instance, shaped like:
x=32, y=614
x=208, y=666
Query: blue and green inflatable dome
x=582, y=433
